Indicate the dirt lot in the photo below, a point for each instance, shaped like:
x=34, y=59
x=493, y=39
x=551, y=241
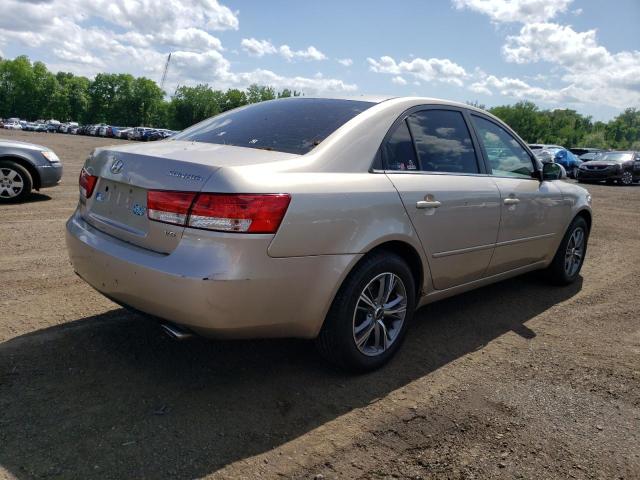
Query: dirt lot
x=516, y=380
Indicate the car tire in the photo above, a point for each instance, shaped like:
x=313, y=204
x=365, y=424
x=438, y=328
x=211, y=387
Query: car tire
x=15, y=182
x=626, y=179
x=569, y=258
x=360, y=334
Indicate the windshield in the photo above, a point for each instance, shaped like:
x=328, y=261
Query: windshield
x=617, y=157
x=293, y=125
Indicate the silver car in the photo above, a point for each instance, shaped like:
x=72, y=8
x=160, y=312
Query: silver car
x=331, y=219
x=25, y=167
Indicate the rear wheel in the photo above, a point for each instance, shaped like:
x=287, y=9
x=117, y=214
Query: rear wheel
x=368, y=319
x=15, y=182
x=569, y=257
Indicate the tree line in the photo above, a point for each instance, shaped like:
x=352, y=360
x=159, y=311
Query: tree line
x=30, y=91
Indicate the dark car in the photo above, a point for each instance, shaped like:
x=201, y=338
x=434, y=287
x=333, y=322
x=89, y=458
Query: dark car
x=26, y=166
x=623, y=167
x=579, y=151
x=590, y=156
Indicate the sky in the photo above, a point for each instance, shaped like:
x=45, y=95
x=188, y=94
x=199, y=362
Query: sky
x=579, y=54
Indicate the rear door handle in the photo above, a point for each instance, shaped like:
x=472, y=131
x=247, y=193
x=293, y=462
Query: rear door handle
x=511, y=201
x=428, y=204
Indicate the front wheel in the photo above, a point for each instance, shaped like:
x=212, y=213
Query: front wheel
x=626, y=179
x=569, y=257
x=15, y=182
x=368, y=319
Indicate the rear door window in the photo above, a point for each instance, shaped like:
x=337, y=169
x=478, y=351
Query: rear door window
x=443, y=141
x=398, y=152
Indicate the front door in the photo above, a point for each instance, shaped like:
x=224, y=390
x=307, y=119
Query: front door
x=532, y=212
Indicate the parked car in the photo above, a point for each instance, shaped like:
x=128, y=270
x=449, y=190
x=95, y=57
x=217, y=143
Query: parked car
x=559, y=155
x=123, y=133
x=13, y=126
x=542, y=146
x=568, y=160
x=622, y=167
x=579, y=151
x=322, y=218
x=159, y=134
x=587, y=157
x=138, y=133
x=24, y=167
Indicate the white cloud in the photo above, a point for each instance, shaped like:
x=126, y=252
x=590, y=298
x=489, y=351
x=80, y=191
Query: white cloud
x=515, y=10
x=555, y=43
x=317, y=84
x=347, y=62
x=190, y=38
x=514, y=87
x=428, y=70
x=398, y=80
x=310, y=53
x=257, y=48
x=591, y=72
x=135, y=36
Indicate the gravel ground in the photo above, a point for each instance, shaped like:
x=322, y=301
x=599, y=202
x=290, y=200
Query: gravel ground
x=515, y=380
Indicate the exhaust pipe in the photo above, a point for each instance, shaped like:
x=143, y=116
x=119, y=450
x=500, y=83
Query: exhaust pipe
x=176, y=332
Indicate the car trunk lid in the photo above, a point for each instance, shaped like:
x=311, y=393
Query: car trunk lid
x=118, y=205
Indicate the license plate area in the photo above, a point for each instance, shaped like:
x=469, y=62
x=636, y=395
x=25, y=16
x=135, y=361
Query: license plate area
x=120, y=205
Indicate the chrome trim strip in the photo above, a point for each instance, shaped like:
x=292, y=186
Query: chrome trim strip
x=525, y=239
x=463, y=250
x=485, y=247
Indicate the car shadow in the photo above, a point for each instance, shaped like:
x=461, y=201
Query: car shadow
x=34, y=197
x=110, y=396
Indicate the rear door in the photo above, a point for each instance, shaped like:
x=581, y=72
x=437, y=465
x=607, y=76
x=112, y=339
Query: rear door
x=431, y=159
x=533, y=213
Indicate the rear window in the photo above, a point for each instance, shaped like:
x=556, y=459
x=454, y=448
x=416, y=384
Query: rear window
x=294, y=125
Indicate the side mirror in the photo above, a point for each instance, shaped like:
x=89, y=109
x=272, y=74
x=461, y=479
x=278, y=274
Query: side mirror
x=553, y=171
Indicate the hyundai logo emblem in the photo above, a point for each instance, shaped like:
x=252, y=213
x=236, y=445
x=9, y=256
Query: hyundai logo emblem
x=117, y=165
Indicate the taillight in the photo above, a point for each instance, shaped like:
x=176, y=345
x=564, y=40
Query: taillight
x=169, y=207
x=87, y=183
x=245, y=213
x=249, y=213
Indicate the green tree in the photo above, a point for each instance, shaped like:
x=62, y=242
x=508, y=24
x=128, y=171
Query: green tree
x=190, y=105
x=233, y=98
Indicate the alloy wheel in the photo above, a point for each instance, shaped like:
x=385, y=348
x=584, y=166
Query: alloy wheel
x=574, y=253
x=627, y=178
x=379, y=314
x=11, y=183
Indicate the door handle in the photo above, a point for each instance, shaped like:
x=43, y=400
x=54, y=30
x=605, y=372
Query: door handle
x=428, y=204
x=511, y=201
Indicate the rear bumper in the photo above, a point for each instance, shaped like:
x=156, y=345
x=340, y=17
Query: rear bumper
x=50, y=175
x=219, y=285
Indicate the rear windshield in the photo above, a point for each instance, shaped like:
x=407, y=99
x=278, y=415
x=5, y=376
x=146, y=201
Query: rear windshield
x=616, y=157
x=294, y=125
